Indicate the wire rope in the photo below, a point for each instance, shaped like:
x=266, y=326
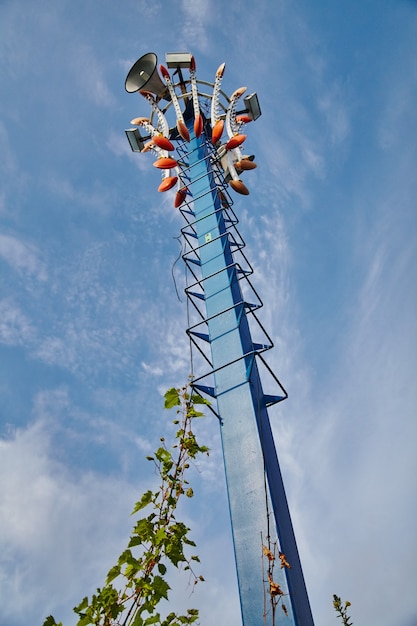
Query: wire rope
x=174, y=264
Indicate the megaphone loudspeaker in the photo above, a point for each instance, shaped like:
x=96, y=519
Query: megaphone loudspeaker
x=143, y=75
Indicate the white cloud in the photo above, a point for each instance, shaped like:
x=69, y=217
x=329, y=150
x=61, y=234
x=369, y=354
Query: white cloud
x=195, y=23
x=93, y=197
x=333, y=103
x=358, y=448
x=61, y=528
x=152, y=369
x=2, y=203
x=58, y=529
x=118, y=144
x=22, y=256
x=90, y=75
x=396, y=117
x=57, y=351
x=8, y=162
x=15, y=327
x=314, y=161
x=345, y=435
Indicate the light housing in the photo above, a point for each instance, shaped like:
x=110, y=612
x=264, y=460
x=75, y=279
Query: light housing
x=252, y=106
x=135, y=139
x=178, y=59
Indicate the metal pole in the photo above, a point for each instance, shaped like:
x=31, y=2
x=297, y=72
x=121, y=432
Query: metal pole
x=248, y=445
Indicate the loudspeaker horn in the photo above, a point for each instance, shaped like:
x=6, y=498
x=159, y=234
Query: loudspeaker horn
x=143, y=75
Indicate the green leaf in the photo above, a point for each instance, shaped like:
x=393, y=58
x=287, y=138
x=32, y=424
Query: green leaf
x=114, y=572
x=174, y=553
x=125, y=557
x=196, y=399
x=144, y=529
x=131, y=570
x=135, y=541
x=189, y=542
x=161, y=587
x=163, y=456
x=144, y=501
x=50, y=621
x=169, y=619
x=172, y=398
x=192, y=615
x=160, y=536
x=162, y=568
x=138, y=621
x=192, y=611
x=83, y=605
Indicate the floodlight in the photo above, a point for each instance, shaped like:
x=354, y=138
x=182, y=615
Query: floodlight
x=252, y=106
x=135, y=139
x=178, y=59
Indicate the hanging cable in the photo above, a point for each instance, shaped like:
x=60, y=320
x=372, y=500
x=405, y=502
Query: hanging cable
x=189, y=324
x=174, y=264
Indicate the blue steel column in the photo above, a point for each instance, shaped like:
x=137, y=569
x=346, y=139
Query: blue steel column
x=248, y=445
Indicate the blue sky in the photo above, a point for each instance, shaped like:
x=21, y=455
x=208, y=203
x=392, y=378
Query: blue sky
x=92, y=332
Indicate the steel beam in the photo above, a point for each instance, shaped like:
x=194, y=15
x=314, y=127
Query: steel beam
x=253, y=476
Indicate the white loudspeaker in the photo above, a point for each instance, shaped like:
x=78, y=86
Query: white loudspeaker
x=144, y=76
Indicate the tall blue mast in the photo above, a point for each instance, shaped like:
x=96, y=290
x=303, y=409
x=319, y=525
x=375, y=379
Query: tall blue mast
x=271, y=582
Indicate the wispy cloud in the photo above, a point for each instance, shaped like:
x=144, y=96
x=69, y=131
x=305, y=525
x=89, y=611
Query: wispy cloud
x=8, y=164
x=52, y=527
x=90, y=75
x=155, y=370
x=196, y=18
x=22, y=256
x=55, y=523
x=15, y=327
x=333, y=102
x=92, y=196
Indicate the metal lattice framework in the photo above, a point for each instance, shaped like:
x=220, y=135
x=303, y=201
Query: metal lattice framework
x=224, y=330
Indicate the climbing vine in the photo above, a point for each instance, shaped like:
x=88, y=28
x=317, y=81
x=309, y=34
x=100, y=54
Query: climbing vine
x=341, y=610
x=158, y=540
x=137, y=583
x=273, y=592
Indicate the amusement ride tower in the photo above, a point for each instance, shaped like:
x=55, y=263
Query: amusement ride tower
x=201, y=157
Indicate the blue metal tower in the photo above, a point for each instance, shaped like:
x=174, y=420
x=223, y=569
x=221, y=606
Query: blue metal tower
x=226, y=331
